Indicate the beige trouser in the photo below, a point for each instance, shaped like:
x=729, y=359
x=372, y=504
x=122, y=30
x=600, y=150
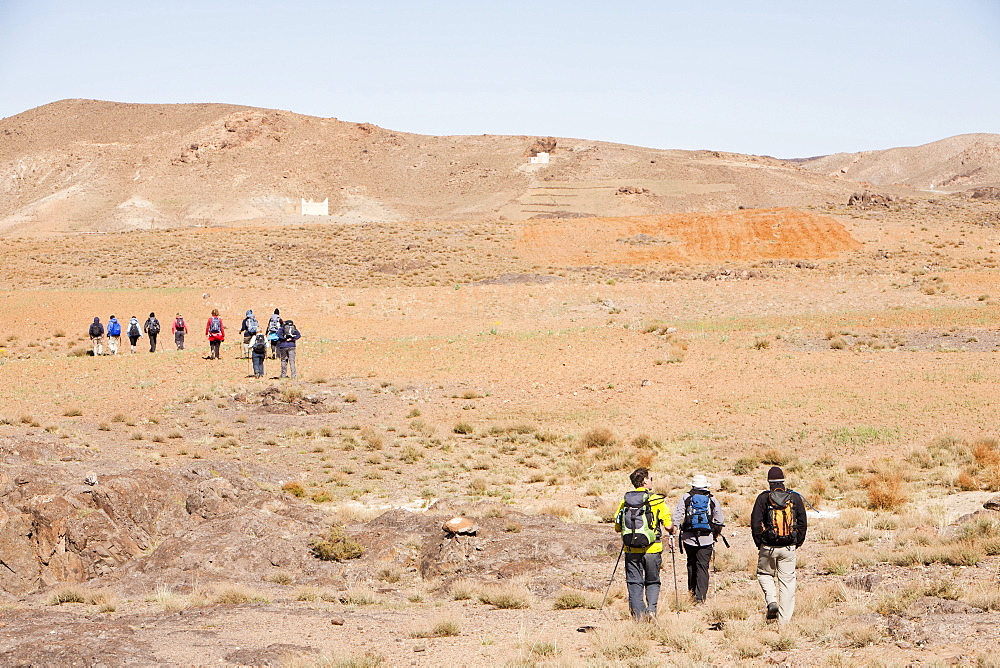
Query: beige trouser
x=98, y=342
x=776, y=575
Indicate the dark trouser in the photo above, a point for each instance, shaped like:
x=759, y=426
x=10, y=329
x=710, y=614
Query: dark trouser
x=216, y=347
x=152, y=341
x=258, y=364
x=274, y=349
x=642, y=578
x=133, y=340
x=179, y=340
x=698, y=559
x=287, y=357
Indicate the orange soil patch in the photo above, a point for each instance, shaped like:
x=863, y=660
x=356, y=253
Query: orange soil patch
x=757, y=234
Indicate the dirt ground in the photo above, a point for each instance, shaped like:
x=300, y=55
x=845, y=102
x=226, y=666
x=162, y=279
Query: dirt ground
x=469, y=369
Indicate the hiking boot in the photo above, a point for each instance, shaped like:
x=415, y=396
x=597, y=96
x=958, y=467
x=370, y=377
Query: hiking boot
x=772, y=611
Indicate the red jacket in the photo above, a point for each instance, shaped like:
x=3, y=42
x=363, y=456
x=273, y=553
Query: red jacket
x=221, y=336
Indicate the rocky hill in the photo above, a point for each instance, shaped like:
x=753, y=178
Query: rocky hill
x=91, y=166
x=963, y=162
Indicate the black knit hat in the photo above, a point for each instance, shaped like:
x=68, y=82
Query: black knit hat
x=775, y=474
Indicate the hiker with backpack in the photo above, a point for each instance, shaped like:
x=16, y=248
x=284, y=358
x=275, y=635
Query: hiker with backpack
x=778, y=524
x=258, y=351
x=152, y=329
x=133, y=333
x=702, y=523
x=288, y=335
x=641, y=518
x=273, y=329
x=179, y=328
x=248, y=328
x=215, y=330
x=114, y=335
x=96, y=332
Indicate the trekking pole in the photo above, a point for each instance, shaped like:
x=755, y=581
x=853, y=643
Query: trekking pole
x=673, y=563
x=615, y=570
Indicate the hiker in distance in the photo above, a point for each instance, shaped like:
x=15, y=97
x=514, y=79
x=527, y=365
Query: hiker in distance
x=215, y=330
x=778, y=524
x=258, y=352
x=287, y=337
x=152, y=329
x=248, y=328
x=273, y=329
x=641, y=518
x=96, y=332
x=133, y=333
x=701, y=525
x=179, y=328
x=114, y=335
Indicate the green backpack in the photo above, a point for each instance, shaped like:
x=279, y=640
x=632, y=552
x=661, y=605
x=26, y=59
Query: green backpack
x=638, y=525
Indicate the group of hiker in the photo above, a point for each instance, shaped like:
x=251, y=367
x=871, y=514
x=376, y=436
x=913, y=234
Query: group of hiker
x=778, y=525
x=279, y=335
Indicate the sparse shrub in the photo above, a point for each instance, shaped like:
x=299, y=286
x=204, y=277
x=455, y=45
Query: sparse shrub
x=885, y=490
x=415, y=413
x=322, y=496
x=745, y=465
x=478, y=485
x=599, y=437
x=67, y=595
x=471, y=394
x=462, y=590
x=337, y=546
x=462, y=428
x=569, y=600
x=283, y=579
x=442, y=629
x=410, y=454
x=372, y=439
x=515, y=527
x=235, y=594
x=358, y=596
x=389, y=574
x=351, y=398
x=838, y=343
x=773, y=457
x=622, y=642
x=507, y=596
x=761, y=343
x=294, y=488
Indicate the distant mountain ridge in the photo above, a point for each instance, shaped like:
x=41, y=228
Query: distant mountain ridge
x=962, y=162
x=90, y=166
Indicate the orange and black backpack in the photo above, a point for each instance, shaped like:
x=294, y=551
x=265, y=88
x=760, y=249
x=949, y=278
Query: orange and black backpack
x=779, y=519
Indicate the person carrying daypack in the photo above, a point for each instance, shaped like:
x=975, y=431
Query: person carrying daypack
x=179, y=328
x=96, y=332
x=258, y=351
x=133, y=333
x=215, y=330
x=248, y=328
x=641, y=518
x=152, y=329
x=114, y=335
x=778, y=524
x=701, y=523
x=287, y=337
x=273, y=332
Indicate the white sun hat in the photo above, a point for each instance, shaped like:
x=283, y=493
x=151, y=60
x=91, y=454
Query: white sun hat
x=700, y=482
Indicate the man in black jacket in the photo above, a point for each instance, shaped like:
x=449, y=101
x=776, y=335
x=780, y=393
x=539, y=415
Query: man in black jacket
x=778, y=524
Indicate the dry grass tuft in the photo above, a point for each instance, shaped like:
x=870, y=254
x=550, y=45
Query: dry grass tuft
x=599, y=437
x=505, y=596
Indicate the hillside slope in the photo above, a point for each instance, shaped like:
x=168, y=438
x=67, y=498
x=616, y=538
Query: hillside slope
x=91, y=166
x=957, y=163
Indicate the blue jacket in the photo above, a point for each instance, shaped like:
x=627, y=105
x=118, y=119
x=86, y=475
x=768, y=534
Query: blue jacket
x=112, y=324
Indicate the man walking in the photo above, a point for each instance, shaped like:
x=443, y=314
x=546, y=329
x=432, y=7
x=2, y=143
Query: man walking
x=96, y=332
x=179, y=329
x=640, y=519
x=152, y=329
x=288, y=335
x=248, y=328
x=114, y=334
x=778, y=523
x=702, y=522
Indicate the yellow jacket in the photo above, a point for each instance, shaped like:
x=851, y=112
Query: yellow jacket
x=661, y=516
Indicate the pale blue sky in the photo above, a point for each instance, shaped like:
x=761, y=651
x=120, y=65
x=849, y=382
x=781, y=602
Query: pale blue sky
x=785, y=78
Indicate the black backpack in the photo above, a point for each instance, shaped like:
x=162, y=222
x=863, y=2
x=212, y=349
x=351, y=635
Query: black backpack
x=289, y=330
x=154, y=326
x=133, y=329
x=96, y=329
x=260, y=344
